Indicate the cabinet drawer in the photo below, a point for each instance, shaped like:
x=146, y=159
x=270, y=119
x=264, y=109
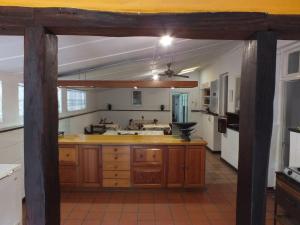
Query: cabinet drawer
x=116, y=157
x=116, y=183
x=148, y=155
x=116, y=166
x=122, y=149
x=68, y=155
x=116, y=174
x=147, y=175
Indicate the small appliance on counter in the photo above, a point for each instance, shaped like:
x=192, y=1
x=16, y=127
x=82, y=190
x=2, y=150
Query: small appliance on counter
x=231, y=121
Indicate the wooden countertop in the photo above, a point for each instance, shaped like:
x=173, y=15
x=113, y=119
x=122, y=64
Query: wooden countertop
x=127, y=140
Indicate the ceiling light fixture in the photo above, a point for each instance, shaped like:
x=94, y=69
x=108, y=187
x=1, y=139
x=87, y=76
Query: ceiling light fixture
x=155, y=77
x=166, y=40
x=189, y=70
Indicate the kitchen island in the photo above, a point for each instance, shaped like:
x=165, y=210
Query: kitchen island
x=127, y=161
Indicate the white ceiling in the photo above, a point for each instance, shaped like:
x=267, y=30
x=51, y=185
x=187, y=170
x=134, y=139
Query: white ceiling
x=117, y=58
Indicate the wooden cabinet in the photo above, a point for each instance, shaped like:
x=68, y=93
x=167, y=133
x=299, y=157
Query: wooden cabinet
x=116, y=166
x=90, y=169
x=123, y=166
x=176, y=166
x=194, y=166
x=287, y=200
x=68, y=165
x=147, y=166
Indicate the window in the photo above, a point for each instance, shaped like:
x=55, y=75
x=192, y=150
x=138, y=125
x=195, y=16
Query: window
x=137, y=98
x=76, y=100
x=1, y=112
x=293, y=62
x=59, y=98
x=21, y=99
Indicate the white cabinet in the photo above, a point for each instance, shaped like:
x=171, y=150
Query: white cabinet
x=209, y=131
x=10, y=195
x=294, y=149
x=230, y=147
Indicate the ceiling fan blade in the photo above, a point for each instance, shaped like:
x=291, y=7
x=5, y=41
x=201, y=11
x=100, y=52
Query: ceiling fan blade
x=176, y=75
x=162, y=74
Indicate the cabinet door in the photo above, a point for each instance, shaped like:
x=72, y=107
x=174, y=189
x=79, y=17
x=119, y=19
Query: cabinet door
x=90, y=166
x=195, y=166
x=176, y=166
x=68, y=165
x=147, y=166
x=147, y=176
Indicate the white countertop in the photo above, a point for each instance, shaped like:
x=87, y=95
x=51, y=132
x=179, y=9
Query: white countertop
x=7, y=169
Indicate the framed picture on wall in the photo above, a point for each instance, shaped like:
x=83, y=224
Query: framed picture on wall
x=136, y=97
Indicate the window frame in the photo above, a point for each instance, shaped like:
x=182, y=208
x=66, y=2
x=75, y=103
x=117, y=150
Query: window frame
x=21, y=112
x=82, y=106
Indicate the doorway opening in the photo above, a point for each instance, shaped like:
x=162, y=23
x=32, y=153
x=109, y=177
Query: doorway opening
x=291, y=121
x=180, y=107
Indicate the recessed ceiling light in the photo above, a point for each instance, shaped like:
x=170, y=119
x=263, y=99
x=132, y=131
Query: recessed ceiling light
x=135, y=87
x=155, y=77
x=189, y=70
x=166, y=40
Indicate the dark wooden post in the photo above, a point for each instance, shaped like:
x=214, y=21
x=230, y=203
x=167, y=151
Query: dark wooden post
x=256, y=119
x=40, y=128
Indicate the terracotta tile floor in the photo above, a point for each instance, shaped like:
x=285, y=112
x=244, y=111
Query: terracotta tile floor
x=213, y=206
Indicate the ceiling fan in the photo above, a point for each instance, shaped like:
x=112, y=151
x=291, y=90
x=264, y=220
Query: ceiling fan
x=170, y=73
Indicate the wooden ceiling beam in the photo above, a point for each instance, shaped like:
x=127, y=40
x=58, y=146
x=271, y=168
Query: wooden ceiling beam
x=221, y=25
x=126, y=84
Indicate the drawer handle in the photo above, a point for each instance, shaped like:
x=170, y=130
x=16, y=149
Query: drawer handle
x=116, y=183
x=116, y=174
x=116, y=157
x=68, y=155
x=115, y=149
x=141, y=156
x=154, y=156
x=116, y=167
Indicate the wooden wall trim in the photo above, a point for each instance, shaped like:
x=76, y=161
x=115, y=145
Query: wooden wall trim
x=13, y=128
x=127, y=83
x=256, y=121
x=219, y=25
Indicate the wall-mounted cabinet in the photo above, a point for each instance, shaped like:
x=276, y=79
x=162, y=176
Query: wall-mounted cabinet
x=205, y=95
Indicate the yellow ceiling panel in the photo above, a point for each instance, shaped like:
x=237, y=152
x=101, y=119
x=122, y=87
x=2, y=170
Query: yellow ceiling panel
x=167, y=6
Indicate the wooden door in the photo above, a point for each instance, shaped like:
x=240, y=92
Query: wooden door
x=91, y=171
x=195, y=166
x=175, y=166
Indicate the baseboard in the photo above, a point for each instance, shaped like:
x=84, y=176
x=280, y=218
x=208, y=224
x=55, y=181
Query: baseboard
x=228, y=164
x=214, y=152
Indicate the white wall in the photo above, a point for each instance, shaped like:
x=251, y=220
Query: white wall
x=12, y=142
x=76, y=125
x=230, y=62
x=121, y=99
